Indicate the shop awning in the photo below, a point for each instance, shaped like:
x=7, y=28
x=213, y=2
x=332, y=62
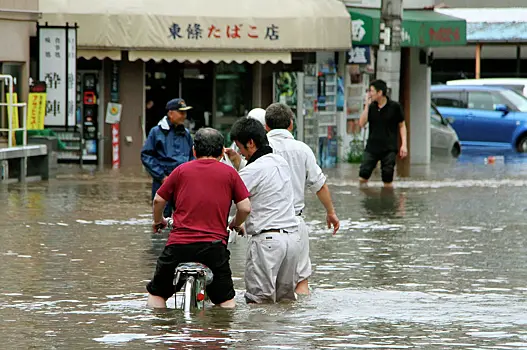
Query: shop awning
x=492, y=25
x=196, y=25
x=420, y=28
x=99, y=54
x=211, y=56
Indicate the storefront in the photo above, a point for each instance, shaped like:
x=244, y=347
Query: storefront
x=422, y=30
x=17, y=23
x=495, y=48
x=219, y=58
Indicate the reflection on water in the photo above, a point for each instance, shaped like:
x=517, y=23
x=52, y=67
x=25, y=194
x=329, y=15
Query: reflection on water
x=439, y=262
x=383, y=202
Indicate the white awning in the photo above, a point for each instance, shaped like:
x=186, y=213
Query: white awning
x=214, y=56
x=99, y=54
x=270, y=25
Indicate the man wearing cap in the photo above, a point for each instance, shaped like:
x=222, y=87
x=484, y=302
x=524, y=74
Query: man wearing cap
x=168, y=145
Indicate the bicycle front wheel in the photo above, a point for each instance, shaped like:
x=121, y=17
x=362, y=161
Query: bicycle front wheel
x=190, y=295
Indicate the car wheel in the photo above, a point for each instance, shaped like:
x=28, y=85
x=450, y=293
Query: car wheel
x=456, y=150
x=522, y=145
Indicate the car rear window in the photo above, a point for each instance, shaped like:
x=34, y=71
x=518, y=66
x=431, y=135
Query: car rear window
x=448, y=99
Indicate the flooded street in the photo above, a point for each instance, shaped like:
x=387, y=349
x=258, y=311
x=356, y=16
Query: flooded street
x=438, y=263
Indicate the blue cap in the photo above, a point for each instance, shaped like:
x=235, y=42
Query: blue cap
x=177, y=104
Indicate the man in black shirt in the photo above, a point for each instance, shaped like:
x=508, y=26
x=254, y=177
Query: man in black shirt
x=386, y=121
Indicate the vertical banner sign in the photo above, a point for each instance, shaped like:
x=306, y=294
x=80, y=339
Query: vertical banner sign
x=72, y=75
x=114, y=89
x=36, y=110
x=52, y=70
x=114, y=97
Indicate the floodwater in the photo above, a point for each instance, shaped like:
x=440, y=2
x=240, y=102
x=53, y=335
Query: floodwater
x=438, y=263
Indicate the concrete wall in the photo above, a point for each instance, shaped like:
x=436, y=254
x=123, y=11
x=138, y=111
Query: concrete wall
x=17, y=24
x=23, y=5
x=14, y=41
x=482, y=3
x=132, y=85
x=420, y=80
x=14, y=47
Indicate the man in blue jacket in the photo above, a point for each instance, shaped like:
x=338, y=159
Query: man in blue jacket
x=168, y=145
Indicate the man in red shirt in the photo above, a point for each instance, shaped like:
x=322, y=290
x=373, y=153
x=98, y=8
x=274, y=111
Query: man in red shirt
x=203, y=191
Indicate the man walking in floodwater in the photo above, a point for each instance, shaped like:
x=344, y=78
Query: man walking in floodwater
x=305, y=172
x=272, y=256
x=386, y=121
x=168, y=145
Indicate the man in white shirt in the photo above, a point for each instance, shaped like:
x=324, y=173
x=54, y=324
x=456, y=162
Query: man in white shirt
x=255, y=113
x=272, y=256
x=305, y=171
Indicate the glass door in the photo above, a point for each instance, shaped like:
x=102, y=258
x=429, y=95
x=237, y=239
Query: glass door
x=233, y=85
x=196, y=89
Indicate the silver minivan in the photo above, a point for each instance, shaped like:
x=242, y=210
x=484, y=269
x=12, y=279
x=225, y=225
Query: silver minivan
x=444, y=140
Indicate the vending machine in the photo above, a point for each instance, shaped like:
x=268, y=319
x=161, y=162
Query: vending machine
x=89, y=114
x=298, y=90
x=313, y=97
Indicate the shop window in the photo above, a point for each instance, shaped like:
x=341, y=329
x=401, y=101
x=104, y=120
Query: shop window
x=449, y=99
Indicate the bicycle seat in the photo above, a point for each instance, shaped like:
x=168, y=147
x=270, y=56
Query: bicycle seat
x=196, y=268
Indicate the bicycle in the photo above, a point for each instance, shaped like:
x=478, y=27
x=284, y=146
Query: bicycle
x=193, y=278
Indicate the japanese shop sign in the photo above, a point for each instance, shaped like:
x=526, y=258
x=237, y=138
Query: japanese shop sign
x=72, y=75
x=234, y=31
x=358, y=55
x=36, y=110
x=57, y=68
x=418, y=28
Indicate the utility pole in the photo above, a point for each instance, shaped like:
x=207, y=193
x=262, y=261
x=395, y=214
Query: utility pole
x=389, y=56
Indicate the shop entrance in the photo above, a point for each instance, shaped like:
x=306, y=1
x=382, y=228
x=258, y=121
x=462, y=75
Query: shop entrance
x=192, y=82
x=196, y=90
x=162, y=84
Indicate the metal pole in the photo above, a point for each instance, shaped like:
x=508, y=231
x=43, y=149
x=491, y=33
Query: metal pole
x=24, y=121
x=389, y=56
x=299, y=106
x=10, y=110
x=23, y=161
x=478, y=61
x=67, y=75
x=518, y=60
